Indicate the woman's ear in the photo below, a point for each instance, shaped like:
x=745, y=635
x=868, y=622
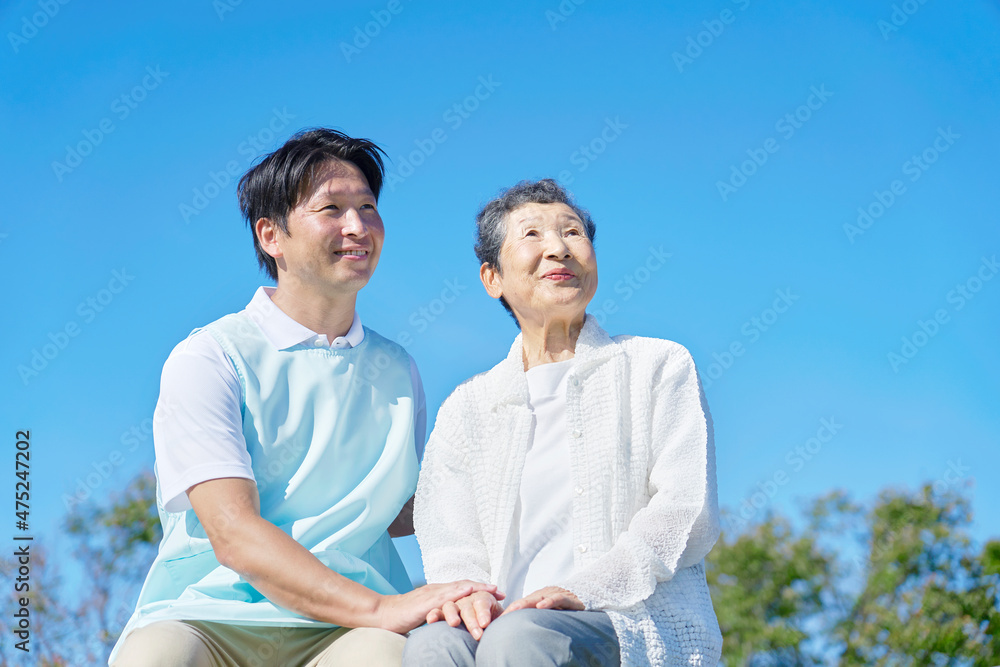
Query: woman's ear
x=490, y=275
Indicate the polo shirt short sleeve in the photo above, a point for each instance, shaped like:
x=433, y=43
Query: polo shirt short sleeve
x=198, y=424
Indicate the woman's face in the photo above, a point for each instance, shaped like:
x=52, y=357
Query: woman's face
x=547, y=264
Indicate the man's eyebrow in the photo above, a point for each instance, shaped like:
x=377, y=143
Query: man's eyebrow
x=326, y=195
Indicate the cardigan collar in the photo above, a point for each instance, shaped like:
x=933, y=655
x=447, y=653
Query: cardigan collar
x=592, y=347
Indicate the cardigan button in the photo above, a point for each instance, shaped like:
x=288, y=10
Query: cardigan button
x=577, y=434
x=579, y=490
x=582, y=548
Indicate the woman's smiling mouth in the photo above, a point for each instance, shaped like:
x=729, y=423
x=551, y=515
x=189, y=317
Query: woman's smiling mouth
x=559, y=274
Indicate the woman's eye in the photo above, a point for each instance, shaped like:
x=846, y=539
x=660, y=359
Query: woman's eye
x=573, y=232
x=332, y=207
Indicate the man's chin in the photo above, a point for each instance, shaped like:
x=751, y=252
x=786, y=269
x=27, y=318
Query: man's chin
x=351, y=282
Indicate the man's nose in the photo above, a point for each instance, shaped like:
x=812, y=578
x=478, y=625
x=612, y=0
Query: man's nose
x=353, y=224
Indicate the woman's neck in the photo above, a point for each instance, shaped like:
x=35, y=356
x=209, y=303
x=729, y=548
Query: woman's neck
x=550, y=341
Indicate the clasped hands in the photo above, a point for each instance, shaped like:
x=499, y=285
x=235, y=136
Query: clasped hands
x=478, y=609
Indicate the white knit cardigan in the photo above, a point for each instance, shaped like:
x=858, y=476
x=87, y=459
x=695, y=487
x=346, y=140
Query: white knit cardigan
x=644, y=508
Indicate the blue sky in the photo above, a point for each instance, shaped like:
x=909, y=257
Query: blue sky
x=739, y=138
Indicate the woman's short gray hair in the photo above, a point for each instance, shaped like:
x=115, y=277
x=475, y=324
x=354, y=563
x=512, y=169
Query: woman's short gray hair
x=491, y=221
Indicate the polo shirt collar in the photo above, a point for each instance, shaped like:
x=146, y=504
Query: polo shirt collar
x=284, y=332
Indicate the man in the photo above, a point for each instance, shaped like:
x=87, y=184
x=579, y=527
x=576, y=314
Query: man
x=286, y=445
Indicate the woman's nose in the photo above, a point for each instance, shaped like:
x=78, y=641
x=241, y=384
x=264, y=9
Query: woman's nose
x=556, y=247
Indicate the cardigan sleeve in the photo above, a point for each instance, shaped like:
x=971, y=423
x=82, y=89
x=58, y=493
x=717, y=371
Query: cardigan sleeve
x=444, y=517
x=680, y=523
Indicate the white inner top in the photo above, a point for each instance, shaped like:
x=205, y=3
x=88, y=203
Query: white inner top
x=544, y=513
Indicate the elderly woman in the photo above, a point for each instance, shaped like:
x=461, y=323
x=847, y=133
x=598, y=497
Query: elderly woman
x=577, y=475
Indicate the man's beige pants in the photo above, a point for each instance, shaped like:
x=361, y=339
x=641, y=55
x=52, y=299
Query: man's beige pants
x=204, y=644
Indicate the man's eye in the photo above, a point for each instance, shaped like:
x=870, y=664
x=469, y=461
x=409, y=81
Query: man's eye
x=371, y=206
x=332, y=207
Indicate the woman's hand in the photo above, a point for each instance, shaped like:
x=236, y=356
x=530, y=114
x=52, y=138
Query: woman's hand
x=550, y=597
x=476, y=610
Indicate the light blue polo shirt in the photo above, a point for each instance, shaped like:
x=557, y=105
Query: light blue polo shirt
x=330, y=436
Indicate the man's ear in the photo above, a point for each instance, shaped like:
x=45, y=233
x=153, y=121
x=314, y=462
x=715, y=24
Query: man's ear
x=490, y=276
x=268, y=234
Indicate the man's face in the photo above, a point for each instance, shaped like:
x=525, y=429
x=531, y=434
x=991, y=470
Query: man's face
x=335, y=233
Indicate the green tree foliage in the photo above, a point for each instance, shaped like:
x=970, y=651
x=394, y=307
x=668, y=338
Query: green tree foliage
x=113, y=545
x=48, y=616
x=906, y=586
x=927, y=598
x=767, y=584
x=894, y=582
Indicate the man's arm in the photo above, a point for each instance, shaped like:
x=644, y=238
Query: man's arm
x=289, y=575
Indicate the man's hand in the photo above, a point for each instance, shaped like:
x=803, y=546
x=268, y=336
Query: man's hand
x=550, y=597
x=476, y=610
x=402, y=613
